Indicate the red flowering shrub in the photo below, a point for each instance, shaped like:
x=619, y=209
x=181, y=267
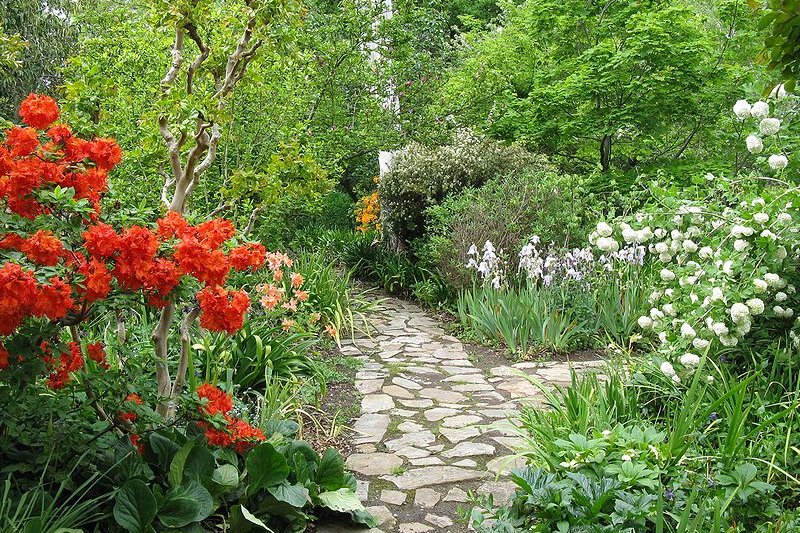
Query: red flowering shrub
x=236, y=433
x=58, y=275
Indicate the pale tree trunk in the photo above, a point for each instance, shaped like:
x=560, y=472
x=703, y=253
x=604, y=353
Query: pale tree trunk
x=187, y=166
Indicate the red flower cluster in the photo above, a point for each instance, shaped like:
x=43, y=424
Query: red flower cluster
x=222, y=310
x=131, y=416
x=21, y=296
x=69, y=361
x=97, y=354
x=38, y=111
x=248, y=256
x=237, y=434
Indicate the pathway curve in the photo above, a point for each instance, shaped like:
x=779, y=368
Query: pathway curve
x=430, y=428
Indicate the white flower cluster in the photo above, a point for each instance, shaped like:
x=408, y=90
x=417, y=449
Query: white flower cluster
x=767, y=127
x=718, y=269
x=489, y=265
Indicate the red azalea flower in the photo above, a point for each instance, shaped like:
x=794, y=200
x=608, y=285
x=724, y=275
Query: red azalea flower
x=130, y=416
x=54, y=300
x=172, y=225
x=248, y=256
x=97, y=353
x=222, y=310
x=68, y=362
x=22, y=141
x=59, y=133
x=105, y=153
x=3, y=357
x=101, y=240
x=43, y=248
x=97, y=284
x=39, y=111
x=18, y=292
x=216, y=400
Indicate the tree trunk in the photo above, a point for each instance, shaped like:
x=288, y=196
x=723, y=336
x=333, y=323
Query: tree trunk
x=605, y=152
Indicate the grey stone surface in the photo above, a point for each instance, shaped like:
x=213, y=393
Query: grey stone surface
x=375, y=403
x=432, y=475
x=426, y=497
x=373, y=464
x=393, y=497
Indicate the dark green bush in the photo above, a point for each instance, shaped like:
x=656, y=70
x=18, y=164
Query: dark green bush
x=506, y=211
x=421, y=177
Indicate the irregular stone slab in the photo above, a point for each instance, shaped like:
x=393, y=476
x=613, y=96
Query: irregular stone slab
x=432, y=475
x=426, y=461
x=366, y=448
x=503, y=491
x=466, y=463
x=373, y=464
x=397, y=392
x=394, y=497
x=442, y=395
x=414, y=527
x=375, y=403
x=519, y=388
x=416, y=404
x=438, y=521
x=426, y=497
x=460, y=421
x=456, y=495
x=465, y=378
x=410, y=427
x=411, y=452
x=406, y=383
x=456, y=435
x=362, y=490
x=405, y=413
x=497, y=413
x=503, y=466
x=420, y=439
x=371, y=427
x=473, y=387
x=460, y=370
x=504, y=372
x=512, y=443
x=383, y=516
x=368, y=386
x=438, y=413
x=469, y=449
x=459, y=362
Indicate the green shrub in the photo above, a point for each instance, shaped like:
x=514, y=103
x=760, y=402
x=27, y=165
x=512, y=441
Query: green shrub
x=506, y=211
x=421, y=176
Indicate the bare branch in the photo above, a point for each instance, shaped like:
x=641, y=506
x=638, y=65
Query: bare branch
x=204, y=52
x=177, y=57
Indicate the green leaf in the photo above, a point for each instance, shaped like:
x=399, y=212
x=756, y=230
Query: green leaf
x=342, y=500
x=175, y=476
x=187, y=503
x=199, y=464
x=226, y=475
x=250, y=518
x=265, y=467
x=294, y=495
x=135, y=506
x=330, y=472
x=164, y=448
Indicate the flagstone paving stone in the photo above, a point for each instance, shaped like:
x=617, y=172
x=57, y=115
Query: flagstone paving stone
x=433, y=421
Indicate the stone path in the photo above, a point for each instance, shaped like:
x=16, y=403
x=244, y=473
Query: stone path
x=432, y=424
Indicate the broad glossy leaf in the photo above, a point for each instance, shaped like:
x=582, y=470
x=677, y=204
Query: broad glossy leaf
x=135, y=506
x=342, y=500
x=266, y=467
x=187, y=503
x=294, y=495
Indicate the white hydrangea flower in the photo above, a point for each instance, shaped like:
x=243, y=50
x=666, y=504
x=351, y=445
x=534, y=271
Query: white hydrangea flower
x=784, y=218
x=741, y=109
x=728, y=340
x=656, y=314
x=667, y=274
x=756, y=306
x=693, y=298
x=759, y=109
x=760, y=285
x=690, y=359
x=665, y=257
x=761, y=218
x=739, y=231
x=687, y=331
x=727, y=267
x=757, y=201
x=667, y=369
x=676, y=378
x=769, y=126
x=700, y=344
x=781, y=296
x=661, y=247
x=706, y=252
x=660, y=233
x=645, y=322
x=743, y=327
x=719, y=329
x=781, y=253
x=740, y=312
x=669, y=309
x=768, y=235
x=740, y=245
x=629, y=235
x=774, y=280
x=754, y=144
x=607, y=244
x=662, y=336
x=716, y=295
x=778, y=161
x=689, y=246
x=604, y=230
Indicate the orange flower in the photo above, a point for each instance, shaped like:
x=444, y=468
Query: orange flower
x=297, y=280
x=287, y=324
x=331, y=330
x=38, y=111
x=301, y=295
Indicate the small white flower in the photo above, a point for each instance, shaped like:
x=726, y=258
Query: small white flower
x=645, y=322
x=706, y=252
x=739, y=231
x=661, y=247
x=667, y=369
x=754, y=144
x=769, y=126
x=676, y=378
x=667, y=274
x=784, y=218
x=690, y=359
x=767, y=234
x=656, y=314
x=700, y=344
x=689, y=246
x=626, y=457
x=662, y=337
x=781, y=253
x=761, y=218
x=716, y=294
x=687, y=331
x=710, y=378
x=760, y=285
x=728, y=340
x=629, y=235
x=760, y=109
x=741, y=109
x=669, y=309
x=603, y=229
x=777, y=161
x=756, y=306
x=606, y=433
x=781, y=296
